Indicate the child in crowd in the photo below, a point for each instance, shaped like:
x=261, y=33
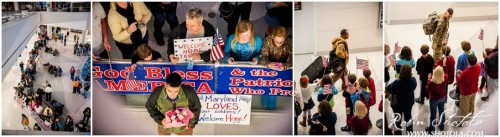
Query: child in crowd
x=484, y=95
x=359, y=122
x=327, y=89
x=425, y=64
x=462, y=64
x=468, y=80
x=405, y=57
x=448, y=64
x=351, y=88
x=387, y=50
x=371, y=89
x=306, y=90
x=323, y=122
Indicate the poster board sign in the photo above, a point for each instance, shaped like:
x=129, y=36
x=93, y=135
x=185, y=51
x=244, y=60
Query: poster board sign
x=254, y=81
x=150, y=76
x=225, y=109
x=184, y=47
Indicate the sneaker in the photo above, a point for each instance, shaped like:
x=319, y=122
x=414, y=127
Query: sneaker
x=345, y=128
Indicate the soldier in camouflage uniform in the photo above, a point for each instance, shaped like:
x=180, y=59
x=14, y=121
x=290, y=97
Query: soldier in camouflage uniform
x=438, y=38
x=342, y=51
x=277, y=49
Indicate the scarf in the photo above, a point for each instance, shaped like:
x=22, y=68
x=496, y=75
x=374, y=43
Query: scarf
x=128, y=13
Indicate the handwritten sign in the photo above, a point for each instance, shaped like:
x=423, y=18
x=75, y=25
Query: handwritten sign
x=254, y=81
x=225, y=109
x=184, y=47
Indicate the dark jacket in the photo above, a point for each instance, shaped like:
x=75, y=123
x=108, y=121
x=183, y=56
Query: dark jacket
x=329, y=122
x=180, y=33
x=190, y=93
x=405, y=90
x=136, y=57
x=424, y=67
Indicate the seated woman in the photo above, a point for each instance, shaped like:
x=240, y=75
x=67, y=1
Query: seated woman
x=243, y=45
x=277, y=51
x=144, y=52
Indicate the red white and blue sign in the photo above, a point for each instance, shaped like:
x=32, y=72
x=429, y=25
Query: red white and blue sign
x=150, y=76
x=205, y=78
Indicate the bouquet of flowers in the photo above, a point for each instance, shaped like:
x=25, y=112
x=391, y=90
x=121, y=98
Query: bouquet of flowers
x=177, y=117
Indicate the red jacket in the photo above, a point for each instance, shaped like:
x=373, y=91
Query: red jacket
x=449, y=69
x=373, y=95
x=469, y=79
x=437, y=91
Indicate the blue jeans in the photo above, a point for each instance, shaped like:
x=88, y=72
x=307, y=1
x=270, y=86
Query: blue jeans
x=439, y=103
x=160, y=17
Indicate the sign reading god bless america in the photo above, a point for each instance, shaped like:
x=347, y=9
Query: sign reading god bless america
x=184, y=47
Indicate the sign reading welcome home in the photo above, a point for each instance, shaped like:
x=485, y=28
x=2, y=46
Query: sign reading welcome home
x=184, y=47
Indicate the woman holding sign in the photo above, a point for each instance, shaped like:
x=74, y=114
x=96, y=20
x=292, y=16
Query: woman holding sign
x=243, y=45
x=127, y=22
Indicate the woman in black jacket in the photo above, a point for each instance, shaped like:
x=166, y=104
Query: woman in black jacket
x=404, y=89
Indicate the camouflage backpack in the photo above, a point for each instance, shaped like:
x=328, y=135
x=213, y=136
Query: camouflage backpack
x=430, y=24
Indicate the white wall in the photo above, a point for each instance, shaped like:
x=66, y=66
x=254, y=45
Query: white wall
x=360, y=18
x=304, y=29
x=410, y=12
x=74, y=20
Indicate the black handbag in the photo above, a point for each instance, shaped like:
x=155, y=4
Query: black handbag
x=226, y=9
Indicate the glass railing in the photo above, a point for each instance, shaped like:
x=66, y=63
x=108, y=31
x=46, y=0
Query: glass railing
x=9, y=16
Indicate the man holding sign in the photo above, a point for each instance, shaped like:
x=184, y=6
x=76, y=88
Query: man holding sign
x=179, y=100
x=193, y=27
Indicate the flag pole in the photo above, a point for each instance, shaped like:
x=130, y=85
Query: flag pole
x=356, y=66
x=482, y=38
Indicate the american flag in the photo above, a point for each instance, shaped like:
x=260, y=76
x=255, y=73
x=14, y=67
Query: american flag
x=325, y=61
x=217, y=52
x=397, y=48
x=327, y=89
x=392, y=59
x=346, y=79
x=131, y=83
x=481, y=35
x=362, y=64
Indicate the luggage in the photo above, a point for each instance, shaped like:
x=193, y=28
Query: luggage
x=430, y=24
x=315, y=70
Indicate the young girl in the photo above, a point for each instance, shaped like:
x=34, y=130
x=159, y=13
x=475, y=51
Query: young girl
x=405, y=57
x=243, y=45
x=323, y=122
x=359, y=122
x=387, y=49
x=306, y=90
x=436, y=88
x=326, y=90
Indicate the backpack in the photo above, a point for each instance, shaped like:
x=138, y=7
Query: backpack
x=335, y=63
x=226, y=9
x=430, y=24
